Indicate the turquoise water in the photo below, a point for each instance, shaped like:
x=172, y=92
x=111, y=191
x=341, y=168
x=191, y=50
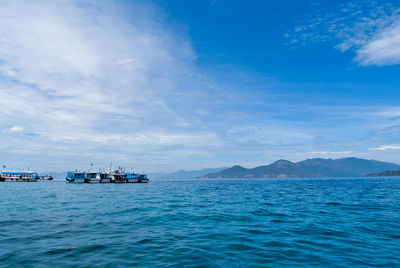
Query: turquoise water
x=209, y=223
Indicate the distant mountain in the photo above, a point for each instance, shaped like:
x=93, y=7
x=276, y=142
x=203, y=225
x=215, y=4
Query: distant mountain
x=317, y=167
x=387, y=173
x=184, y=174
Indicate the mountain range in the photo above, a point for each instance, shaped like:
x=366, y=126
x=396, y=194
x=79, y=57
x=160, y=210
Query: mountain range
x=317, y=167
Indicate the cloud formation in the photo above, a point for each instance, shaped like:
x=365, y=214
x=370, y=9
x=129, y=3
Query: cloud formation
x=382, y=49
x=108, y=81
x=371, y=29
x=386, y=147
x=84, y=76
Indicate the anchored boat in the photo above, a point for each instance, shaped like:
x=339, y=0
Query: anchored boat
x=26, y=176
x=111, y=176
x=45, y=178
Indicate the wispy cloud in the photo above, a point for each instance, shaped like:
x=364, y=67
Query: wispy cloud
x=369, y=28
x=382, y=49
x=386, y=147
x=327, y=153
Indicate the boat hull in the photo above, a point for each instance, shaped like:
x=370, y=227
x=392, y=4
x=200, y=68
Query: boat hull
x=107, y=181
x=21, y=179
x=78, y=180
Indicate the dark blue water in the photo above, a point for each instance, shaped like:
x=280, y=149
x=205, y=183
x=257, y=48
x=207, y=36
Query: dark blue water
x=331, y=223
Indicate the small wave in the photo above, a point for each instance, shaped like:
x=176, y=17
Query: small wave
x=59, y=251
x=202, y=223
x=91, y=248
x=333, y=203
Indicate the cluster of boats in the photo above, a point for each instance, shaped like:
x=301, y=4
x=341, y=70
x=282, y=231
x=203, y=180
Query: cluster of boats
x=110, y=176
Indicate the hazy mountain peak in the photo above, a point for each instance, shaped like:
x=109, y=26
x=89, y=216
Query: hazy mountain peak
x=283, y=162
x=238, y=167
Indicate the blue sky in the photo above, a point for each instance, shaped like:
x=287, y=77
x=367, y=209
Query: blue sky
x=174, y=84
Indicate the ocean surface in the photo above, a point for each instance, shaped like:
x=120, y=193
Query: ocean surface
x=202, y=223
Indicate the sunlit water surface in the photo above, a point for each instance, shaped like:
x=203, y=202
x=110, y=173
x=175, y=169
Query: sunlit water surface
x=215, y=223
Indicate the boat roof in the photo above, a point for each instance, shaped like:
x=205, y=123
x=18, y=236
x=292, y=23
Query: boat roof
x=112, y=172
x=18, y=172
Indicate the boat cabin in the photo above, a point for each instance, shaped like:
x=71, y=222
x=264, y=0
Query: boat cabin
x=19, y=176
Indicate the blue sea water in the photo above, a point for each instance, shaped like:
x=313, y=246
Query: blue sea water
x=202, y=223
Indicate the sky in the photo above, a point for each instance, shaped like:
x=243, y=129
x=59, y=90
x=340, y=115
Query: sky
x=173, y=84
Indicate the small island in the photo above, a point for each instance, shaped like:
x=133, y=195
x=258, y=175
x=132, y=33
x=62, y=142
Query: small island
x=387, y=173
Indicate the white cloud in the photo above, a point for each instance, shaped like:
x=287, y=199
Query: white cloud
x=386, y=147
x=386, y=112
x=16, y=129
x=382, y=49
x=323, y=153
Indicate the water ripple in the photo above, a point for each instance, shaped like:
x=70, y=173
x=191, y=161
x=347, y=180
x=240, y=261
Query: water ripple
x=202, y=223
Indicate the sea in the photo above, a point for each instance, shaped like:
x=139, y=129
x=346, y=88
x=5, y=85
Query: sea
x=347, y=222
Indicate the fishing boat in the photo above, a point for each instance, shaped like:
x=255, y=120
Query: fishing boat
x=143, y=178
x=77, y=177
x=45, y=178
x=132, y=177
x=25, y=176
x=118, y=176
